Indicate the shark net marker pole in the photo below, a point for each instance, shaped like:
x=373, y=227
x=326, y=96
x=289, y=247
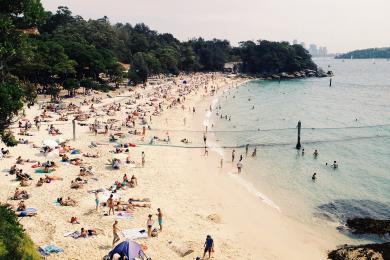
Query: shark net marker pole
x=298, y=146
x=74, y=129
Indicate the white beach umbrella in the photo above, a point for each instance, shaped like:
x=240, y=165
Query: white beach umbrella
x=50, y=143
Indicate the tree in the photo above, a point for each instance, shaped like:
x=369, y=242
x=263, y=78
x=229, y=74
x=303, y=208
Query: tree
x=11, y=96
x=139, y=70
x=71, y=85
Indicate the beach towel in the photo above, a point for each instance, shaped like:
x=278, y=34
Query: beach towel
x=124, y=215
x=46, y=250
x=135, y=233
x=40, y=170
x=74, y=234
x=76, y=151
x=27, y=211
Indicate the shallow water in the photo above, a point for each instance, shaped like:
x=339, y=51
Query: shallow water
x=348, y=122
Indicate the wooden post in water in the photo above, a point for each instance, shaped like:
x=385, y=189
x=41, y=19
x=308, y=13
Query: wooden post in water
x=74, y=129
x=330, y=82
x=298, y=146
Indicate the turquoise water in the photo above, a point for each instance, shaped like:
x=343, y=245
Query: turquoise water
x=348, y=122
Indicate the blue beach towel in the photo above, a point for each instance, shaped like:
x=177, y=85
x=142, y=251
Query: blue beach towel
x=49, y=249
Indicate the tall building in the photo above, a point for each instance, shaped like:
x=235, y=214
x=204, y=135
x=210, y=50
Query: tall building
x=313, y=50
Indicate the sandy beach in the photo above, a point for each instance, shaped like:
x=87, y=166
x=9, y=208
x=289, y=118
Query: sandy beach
x=197, y=196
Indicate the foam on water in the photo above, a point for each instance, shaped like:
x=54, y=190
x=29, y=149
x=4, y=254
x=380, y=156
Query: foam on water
x=249, y=187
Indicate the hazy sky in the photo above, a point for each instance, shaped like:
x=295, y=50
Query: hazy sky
x=341, y=25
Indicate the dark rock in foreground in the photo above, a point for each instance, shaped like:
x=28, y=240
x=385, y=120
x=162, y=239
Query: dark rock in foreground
x=362, y=252
x=369, y=226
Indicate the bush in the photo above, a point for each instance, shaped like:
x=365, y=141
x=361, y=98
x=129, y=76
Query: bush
x=8, y=138
x=14, y=242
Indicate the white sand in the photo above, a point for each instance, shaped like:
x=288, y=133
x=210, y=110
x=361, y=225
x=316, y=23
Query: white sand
x=184, y=183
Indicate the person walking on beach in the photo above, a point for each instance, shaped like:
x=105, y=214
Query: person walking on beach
x=143, y=158
x=110, y=204
x=246, y=149
x=254, y=152
x=315, y=154
x=221, y=163
x=97, y=201
x=233, y=154
x=115, y=231
x=241, y=157
x=204, y=138
x=206, y=151
x=208, y=246
x=239, y=166
x=149, y=224
x=160, y=218
x=193, y=110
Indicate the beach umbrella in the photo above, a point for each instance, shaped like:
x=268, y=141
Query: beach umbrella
x=50, y=143
x=129, y=249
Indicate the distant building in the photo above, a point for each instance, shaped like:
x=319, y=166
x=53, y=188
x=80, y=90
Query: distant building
x=31, y=31
x=313, y=50
x=231, y=67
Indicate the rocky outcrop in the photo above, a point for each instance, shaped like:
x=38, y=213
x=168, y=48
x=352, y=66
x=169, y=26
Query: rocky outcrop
x=298, y=74
x=369, y=226
x=361, y=252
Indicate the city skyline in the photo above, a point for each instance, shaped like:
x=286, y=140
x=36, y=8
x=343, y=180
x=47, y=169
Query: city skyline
x=324, y=23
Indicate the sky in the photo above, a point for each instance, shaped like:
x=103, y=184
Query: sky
x=340, y=25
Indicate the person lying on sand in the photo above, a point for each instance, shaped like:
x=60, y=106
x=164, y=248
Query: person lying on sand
x=88, y=232
x=77, y=184
x=24, y=183
x=49, y=179
x=91, y=155
x=20, y=194
x=75, y=161
x=67, y=202
x=86, y=171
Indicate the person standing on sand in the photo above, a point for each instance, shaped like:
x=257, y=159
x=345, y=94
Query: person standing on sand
x=143, y=158
x=221, y=163
x=233, y=155
x=254, y=152
x=97, y=201
x=206, y=151
x=110, y=204
x=193, y=110
x=204, y=138
x=246, y=149
x=160, y=218
x=115, y=231
x=208, y=246
x=149, y=224
x=239, y=166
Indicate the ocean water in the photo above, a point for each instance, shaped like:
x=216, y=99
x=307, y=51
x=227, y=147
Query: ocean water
x=348, y=123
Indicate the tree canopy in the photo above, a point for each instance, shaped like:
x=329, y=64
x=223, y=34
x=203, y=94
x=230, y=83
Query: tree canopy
x=373, y=53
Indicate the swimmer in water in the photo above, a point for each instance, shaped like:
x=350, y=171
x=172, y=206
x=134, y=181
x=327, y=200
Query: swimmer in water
x=315, y=154
x=314, y=177
x=335, y=165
